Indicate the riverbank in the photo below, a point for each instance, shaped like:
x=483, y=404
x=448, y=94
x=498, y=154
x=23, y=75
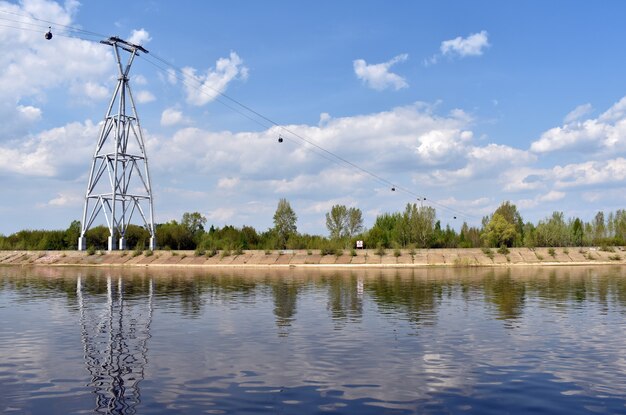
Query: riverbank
x=314, y=258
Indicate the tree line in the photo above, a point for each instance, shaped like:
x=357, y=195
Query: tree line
x=415, y=227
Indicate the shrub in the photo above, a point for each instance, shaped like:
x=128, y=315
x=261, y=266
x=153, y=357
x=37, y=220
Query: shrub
x=211, y=253
x=606, y=248
x=239, y=251
x=352, y=252
x=615, y=257
x=148, y=252
x=412, y=251
x=328, y=251
x=309, y=252
x=565, y=251
x=590, y=257
x=539, y=256
x=488, y=252
x=552, y=252
x=397, y=252
x=504, y=250
x=91, y=250
x=268, y=252
x=338, y=252
x=136, y=253
x=225, y=253
x=380, y=251
x=199, y=252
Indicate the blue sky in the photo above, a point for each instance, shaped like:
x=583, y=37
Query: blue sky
x=466, y=103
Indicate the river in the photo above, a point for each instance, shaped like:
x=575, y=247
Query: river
x=429, y=340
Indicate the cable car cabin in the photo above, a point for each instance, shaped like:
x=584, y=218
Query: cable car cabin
x=48, y=34
x=280, y=139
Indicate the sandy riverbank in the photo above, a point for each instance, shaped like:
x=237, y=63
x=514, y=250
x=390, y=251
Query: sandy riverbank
x=313, y=258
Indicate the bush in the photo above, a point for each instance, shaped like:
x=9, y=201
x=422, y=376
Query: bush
x=397, y=252
x=199, y=252
x=380, y=250
x=91, y=250
x=239, y=251
x=352, y=252
x=137, y=252
x=488, y=252
x=338, y=252
x=225, y=253
x=148, y=252
x=552, y=252
x=504, y=250
x=268, y=252
x=606, y=248
x=565, y=251
x=615, y=257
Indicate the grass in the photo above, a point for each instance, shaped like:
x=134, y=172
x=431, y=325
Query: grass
x=615, y=257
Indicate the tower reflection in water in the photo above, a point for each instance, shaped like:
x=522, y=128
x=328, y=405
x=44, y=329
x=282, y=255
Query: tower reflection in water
x=115, y=333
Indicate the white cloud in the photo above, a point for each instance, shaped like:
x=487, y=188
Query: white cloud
x=172, y=78
x=228, y=182
x=202, y=89
x=139, y=37
x=551, y=196
x=66, y=199
x=172, y=116
x=29, y=113
x=377, y=76
x=473, y=45
x=95, y=91
x=221, y=214
x=139, y=80
x=31, y=66
x=606, y=134
x=577, y=113
x=144, y=97
x=50, y=152
x=590, y=173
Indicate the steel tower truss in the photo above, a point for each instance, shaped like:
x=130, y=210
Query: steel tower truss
x=119, y=181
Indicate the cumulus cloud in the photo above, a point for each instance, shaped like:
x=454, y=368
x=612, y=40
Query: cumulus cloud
x=144, y=97
x=377, y=76
x=590, y=173
x=64, y=199
x=472, y=45
x=551, y=196
x=172, y=116
x=202, y=89
x=139, y=37
x=577, y=113
x=30, y=67
x=51, y=152
x=607, y=133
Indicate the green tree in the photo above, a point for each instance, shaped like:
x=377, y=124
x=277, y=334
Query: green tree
x=194, y=222
x=577, y=232
x=284, y=222
x=337, y=221
x=355, y=222
x=499, y=232
x=510, y=213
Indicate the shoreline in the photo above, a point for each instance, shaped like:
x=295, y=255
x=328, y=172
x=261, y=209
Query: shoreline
x=368, y=258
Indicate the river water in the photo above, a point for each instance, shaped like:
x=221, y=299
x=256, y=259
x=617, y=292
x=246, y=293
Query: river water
x=120, y=341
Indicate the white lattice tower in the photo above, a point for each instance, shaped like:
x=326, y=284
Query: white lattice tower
x=119, y=184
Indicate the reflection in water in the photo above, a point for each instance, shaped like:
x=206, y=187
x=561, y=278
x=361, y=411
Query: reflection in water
x=288, y=341
x=115, y=334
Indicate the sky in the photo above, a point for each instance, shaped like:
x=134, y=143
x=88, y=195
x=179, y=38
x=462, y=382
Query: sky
x=465, y=104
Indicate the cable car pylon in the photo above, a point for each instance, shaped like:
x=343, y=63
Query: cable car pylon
x=119, y=184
